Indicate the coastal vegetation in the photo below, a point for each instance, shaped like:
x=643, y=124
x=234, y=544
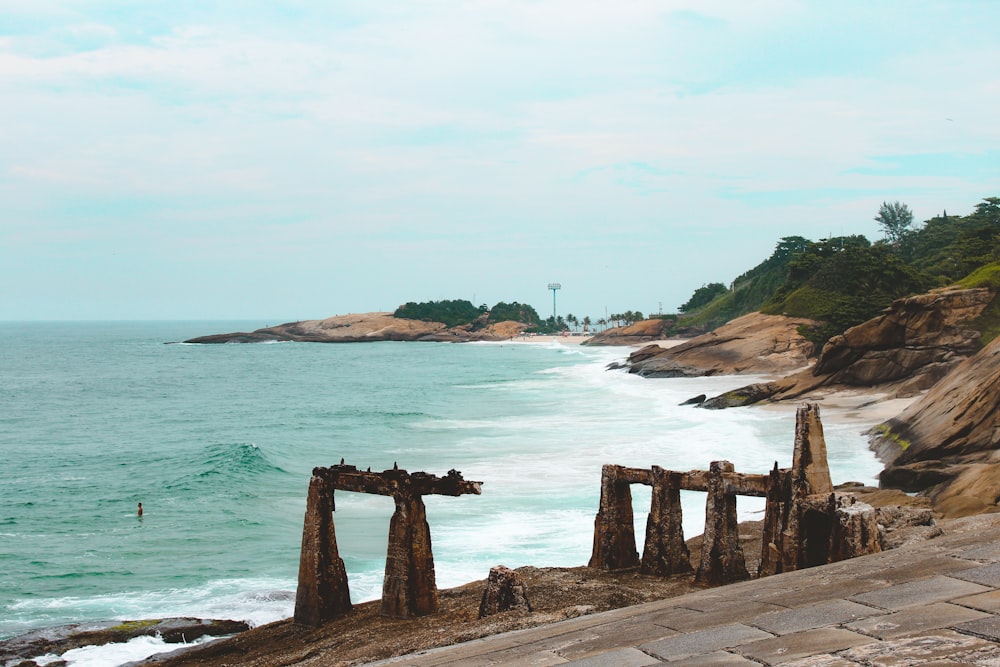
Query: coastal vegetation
x=459, y=312
x=843, y=281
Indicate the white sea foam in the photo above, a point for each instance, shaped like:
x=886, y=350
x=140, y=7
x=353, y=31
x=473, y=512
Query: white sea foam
x=255, y=601
x=109, y=655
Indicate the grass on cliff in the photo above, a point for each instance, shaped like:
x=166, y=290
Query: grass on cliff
x=887, y=433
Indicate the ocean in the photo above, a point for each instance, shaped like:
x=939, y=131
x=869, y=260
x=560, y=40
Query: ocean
x=218, y=443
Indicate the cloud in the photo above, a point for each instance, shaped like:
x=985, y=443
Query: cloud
x=473, y=128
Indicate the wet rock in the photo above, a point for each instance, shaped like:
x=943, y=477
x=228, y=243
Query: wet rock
x=748, y=395
x=58, y=640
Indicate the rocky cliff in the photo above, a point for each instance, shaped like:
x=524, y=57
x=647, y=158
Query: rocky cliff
x=946, y=443
x=911, y=346
x=366, y=327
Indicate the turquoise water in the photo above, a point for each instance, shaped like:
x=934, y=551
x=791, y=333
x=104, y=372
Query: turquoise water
x=218, y=442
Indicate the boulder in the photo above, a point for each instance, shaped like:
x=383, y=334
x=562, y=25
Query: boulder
x=754, y=343
x=634, y=334
x=748, y=395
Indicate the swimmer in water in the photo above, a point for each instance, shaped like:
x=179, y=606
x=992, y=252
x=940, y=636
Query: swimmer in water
x=140, y=509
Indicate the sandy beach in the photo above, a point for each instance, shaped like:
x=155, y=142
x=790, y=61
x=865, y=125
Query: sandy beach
x=578, y=338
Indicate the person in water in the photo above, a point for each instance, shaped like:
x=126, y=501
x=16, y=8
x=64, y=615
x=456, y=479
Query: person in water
x=140, y=509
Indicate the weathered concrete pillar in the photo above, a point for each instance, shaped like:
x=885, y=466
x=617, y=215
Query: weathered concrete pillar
x=614, y=530
x=855, y=532
x=409, y=588
x=722, y=559
x=806, y=523
x=810, y=470
x=776, y=511
x=504, y=591
x=665, y=552
x=322, y=592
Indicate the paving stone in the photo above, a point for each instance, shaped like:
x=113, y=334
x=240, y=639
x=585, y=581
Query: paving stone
x=988, y=628
x=988, y=575
x=836, y=589
x=716, y=659
x=985, y=601
x=689, y=619
x=925, y=649
x=508, y=658
x=730, y=603
x=705, y=641
x=910, y=568
x=987, y=552
x=603, y=638
x=833, y=612
x=625, y=657
x=821, y=660
x=779, y=650
x=913, y=620
x=922, y=591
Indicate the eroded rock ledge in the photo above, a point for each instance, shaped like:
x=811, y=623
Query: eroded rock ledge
x=754, y=343
x=946, y=443
x=917, y=341
x=58, y=640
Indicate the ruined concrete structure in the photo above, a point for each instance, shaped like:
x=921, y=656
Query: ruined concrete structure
x=409, y=588
x=505, y=591
x=805, y=522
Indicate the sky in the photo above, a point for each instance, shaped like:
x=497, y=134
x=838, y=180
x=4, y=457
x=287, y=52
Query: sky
x=297, y=160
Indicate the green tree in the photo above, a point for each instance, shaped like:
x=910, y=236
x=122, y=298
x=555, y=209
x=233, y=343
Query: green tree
x=703, y=296
x=517, y=312
x=895, y=220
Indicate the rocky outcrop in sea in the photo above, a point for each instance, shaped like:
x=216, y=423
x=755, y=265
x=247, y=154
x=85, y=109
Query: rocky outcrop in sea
x=368, y=327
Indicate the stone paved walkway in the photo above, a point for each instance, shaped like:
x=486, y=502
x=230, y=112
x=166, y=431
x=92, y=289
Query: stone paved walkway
x=933, y=603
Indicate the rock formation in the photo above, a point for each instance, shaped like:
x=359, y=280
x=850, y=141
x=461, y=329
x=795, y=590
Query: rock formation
x=366, y=327
x=635, y=334
x=919, y=338
x=945, y=444
x=753, y=343
x=22, y=649
x=907, y=349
